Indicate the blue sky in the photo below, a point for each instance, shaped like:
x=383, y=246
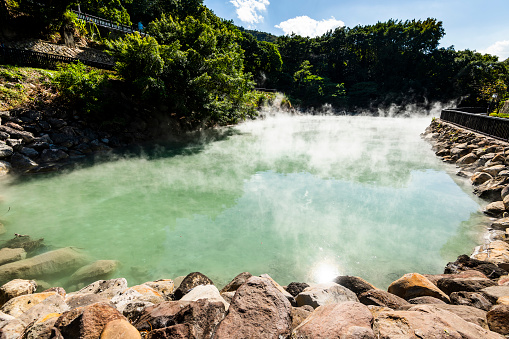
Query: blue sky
x=481, y=25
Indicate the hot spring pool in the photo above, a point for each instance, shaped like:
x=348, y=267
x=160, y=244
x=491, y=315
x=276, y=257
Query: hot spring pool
x=301, y=198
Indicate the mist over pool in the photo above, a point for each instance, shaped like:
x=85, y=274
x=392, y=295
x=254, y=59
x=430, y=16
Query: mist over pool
x=302, y=198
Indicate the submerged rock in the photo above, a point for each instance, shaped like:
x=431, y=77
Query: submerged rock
x=99, y=269
x=8, y=255
x=45, y=264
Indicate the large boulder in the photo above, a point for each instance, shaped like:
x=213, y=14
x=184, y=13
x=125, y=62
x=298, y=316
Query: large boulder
x=191, y=281
x=495, y=209
x=465, y=263
x=355, y=284
x=45, y=264
x=414, y=285
x=86, y=322
x=22, y=163
x=21, y=304
x=495, y=252
x=15, y=288
x=27, y=137
x=136, y=294
x=495, y=292
x=494, y=170
x=427, y=321
x=467, y=313
x=346, y=320
x=52, y=304
x=450, y=285
x=480, y=178
x=100, y=269
x=474, y=299
x=5, y=150
x=382, y=298
x=498, y=319
x=324, y=294
x=120, y=329
x=258, y=310
x=203, y=316
x=41, y=328
x=106, y=288
x=236, y=282
x=466, y=160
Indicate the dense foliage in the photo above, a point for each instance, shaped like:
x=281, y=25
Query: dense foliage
x=202, y=70
x=191, y=64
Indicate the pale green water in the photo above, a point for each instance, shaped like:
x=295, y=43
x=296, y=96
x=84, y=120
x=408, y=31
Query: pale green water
x=300, y=198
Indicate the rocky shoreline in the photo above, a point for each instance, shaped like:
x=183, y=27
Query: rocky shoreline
x=470, y=300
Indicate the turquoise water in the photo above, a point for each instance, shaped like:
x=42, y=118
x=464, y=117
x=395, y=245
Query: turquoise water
x=300, y=198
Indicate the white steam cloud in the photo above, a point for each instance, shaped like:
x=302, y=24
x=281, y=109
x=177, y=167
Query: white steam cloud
x=499, y=48
x=306, y=26
x=249, y=10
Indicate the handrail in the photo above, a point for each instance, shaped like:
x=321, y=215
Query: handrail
x=482, y=123
x=45, y=60
x=107, y=23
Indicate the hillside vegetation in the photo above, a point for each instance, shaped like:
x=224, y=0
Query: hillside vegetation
x=202, y=70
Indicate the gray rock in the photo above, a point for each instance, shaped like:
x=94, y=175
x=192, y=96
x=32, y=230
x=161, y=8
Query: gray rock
x=22, y=163
x=8, y=255
x=99, y=269
x=209, y=292
x=53, y=155
x=480, y=178
x=474, y=299
x=45, y=264
x=107, y=288
x=191, y=281
x=29, y=152
x=52, y=304
x=355, y=284
x=5, y=151
x=325, y=294
x=495, y=292
x=15, y=288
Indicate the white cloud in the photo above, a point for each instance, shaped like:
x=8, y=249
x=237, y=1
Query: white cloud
x=500, y=49
x=249, y=10
x=305, y=26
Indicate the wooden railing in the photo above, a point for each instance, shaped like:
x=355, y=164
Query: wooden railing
x=106, y=23
x=478, y=122
x=24, y=57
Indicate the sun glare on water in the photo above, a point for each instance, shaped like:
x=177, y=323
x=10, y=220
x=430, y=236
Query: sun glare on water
x=325, y=272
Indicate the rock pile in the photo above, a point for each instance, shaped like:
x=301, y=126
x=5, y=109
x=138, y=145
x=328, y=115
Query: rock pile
x=34, y=141
x=485, y=161
x=460, y=305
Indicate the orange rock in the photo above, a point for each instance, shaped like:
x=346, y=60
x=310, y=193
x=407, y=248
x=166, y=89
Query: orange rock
x=120, y=329
x=414, y=285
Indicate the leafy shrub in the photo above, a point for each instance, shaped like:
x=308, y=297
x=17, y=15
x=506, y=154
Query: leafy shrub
x=81, y=86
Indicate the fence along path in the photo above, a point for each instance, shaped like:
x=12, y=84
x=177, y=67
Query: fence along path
x=44, y=60
x=106, y=23
x=492, y=126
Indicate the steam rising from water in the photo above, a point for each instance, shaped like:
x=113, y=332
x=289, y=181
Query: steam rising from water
x=301, y=198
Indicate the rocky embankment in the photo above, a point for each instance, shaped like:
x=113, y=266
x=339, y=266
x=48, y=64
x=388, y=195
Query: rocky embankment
x=35, y=141
x=470, y=300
